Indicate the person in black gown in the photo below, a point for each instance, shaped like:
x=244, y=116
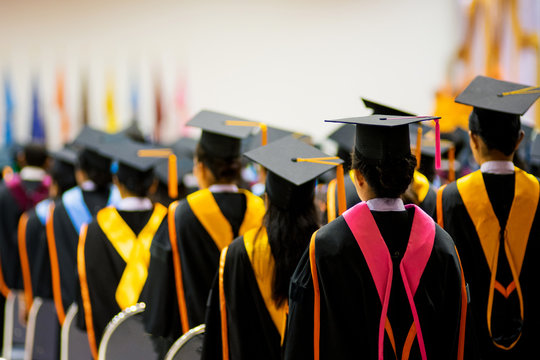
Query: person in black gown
x=382, y=280
x=185, y=260
x=493, y=216
x=114, y=248
x=247, y=310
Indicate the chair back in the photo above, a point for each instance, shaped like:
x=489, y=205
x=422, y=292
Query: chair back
x=188, y=346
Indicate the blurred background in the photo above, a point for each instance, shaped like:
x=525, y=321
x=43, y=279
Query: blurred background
x=289, y=63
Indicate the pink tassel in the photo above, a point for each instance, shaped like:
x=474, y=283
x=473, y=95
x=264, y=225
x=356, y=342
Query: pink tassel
x=437, y=145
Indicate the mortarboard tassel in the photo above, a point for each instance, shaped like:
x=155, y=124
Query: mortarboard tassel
x=262, y=126
x=172, y=167
x=342, y=200
x=437, y=144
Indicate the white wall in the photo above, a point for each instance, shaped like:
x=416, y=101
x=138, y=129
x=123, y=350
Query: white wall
x=290, y=63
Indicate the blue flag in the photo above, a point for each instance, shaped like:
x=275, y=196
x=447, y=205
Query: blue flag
x=38, y=128
x=10, y=107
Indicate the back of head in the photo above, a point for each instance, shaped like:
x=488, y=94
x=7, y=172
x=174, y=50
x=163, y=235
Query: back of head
x=136, y=182
x=498, y=130
x=96, y=167
x=35, y=155
x=224, y=169
x=63, y=174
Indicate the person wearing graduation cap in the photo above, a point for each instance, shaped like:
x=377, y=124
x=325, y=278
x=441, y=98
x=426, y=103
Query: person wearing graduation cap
x=114, y=248
x=382, y=280
x=33, y=249
x=421, y=191
x=492, y=214
x=76, y=207
x=200, y=226
x=255, y=270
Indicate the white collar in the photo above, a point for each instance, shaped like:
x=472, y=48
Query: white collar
x=221, y=188
x=133, y=203
x=497, y=167
x=32, y=173
x=88, y=185
x=386, y=204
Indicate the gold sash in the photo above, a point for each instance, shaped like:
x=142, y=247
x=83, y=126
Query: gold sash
x=262, y=262
x=516, y=234
x=204, y=206
x=420, y=186
x=134, y=250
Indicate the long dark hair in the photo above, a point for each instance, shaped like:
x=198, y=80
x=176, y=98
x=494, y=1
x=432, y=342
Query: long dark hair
x=289, y=232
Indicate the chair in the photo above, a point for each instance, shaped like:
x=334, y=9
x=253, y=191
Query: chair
x=73, y=341
x=42, y=331
x=125, y=337
x=188, y=346
x=14, y=330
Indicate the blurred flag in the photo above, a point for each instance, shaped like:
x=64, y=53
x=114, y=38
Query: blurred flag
x=112, y=122
x=181, y=106
x=134, y=97
x=61, y=103
x=84, y=99
x=159, y=113
x=38, y=127
x=10, y=110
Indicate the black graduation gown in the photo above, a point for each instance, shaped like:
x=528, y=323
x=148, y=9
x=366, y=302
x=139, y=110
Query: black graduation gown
x=66, y=238
x=427, y=202
x=251, y=332
x=350, y=307
x=9, y=249
x=199, y=258
x=458, y=223
x=104, y=268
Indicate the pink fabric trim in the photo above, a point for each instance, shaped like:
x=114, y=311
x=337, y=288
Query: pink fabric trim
x=375, y=251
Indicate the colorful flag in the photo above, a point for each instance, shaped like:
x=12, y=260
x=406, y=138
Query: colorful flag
x=10, y=111
x=159, y=113
x=38, y=127
x=61, y=103
x=112, y=123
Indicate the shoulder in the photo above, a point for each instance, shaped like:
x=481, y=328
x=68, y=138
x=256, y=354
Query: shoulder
x=333, y=238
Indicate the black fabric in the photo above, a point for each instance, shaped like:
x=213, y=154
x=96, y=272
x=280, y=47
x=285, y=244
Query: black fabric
x=199, y=257
x=350, y=305
x=477, y=273
x=67, y=238
x=104, y=268
x=251, y=331
x=38, y=257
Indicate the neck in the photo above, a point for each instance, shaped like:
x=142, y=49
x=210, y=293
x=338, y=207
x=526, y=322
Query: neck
x=495, y=156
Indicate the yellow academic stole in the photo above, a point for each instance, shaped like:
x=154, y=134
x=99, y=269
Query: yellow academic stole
x=262, y=262
x=420, y=185
x=204, y=206
x=134, y=250
x=516, y=234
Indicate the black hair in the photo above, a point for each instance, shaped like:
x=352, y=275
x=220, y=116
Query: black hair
x=97, y=168
x=389, y=177
x=35, y=154
x=63, y=174
x=499, y=131
x=135, y=181
x=289, y=232
x=224, y=169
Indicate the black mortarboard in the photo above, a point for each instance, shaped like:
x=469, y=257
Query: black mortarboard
x=384, y=109
x=218, y=138
x=290, y=179
x=90, y=138
x=272, y=134
x=344, y=137
x=63, y=168
x=66, y=154
x=126, y=153
x=383, y=136
x=500, y=96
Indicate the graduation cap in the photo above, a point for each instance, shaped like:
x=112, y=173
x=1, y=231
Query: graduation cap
x=344, y=137
x=157, y=155
x=267, y=135
x=386, y=136
x=219, y=137
x=63, y=167
x=292, y=167
x=499, y=96
x=66, y=155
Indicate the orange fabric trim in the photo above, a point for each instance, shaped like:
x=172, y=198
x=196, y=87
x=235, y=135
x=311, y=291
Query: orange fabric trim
x=55, y=270
x=177, y=268
x=342, y=198
x=440, y=219
x=4, y=290
x=409, y=342
x=85, y=293
x=505, y=291
x=223, y=306
x=316, y=299
x=331, y=200
x=390, y=334
x=25, y=265
x=463, y=317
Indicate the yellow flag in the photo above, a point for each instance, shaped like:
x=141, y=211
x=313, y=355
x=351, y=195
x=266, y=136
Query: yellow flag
x=112, y=123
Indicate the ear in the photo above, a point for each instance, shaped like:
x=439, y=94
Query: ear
x=473, y=140
x=520, y=138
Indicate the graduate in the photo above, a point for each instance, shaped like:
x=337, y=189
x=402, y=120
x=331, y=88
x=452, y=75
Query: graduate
x=184, y=263
x=492, y=215
x=421, y=192
x=19, y=193
x=382, y=281
x=33, y=249
x=114, y=248
x=77, y=206
x=247, y=313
